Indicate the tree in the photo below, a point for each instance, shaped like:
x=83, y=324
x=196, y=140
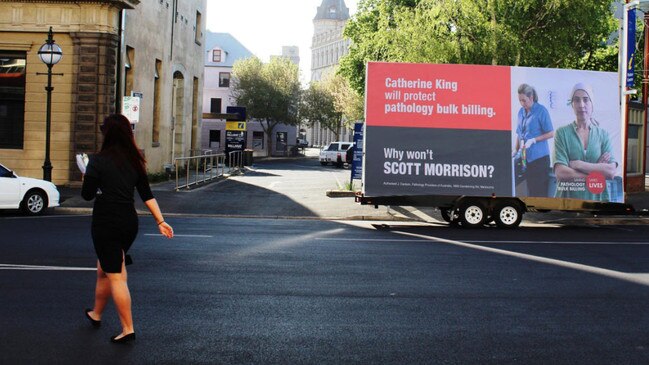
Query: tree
x=269, y=91
x=317, y=105
x=331, y=103
x=346, y=100
x=539, y=33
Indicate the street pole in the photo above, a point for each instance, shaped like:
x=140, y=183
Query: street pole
x=47, y=165
x=50, y=53
x=645, y=90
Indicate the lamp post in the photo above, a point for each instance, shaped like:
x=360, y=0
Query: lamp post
x=50, y=53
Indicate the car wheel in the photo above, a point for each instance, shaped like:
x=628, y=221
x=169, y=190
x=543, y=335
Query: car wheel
x=508, y=216
x=323, y=163
x=34, y=202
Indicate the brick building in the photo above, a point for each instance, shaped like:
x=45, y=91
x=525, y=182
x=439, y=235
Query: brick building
x=96, y=38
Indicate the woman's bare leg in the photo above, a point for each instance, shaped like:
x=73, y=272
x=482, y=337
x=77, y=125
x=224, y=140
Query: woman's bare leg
x=122, y=299
x=102, y=293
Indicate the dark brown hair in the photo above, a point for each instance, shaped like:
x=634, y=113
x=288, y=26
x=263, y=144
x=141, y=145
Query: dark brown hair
x=119, y=142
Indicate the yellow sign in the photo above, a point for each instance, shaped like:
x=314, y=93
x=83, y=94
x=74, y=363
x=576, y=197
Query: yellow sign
x=235, y=126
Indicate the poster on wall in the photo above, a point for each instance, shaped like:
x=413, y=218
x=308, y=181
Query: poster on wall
x=131, y=108
x=440, y=129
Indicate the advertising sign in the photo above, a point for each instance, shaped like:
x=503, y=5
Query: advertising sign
x=631, y=48
x=357, y=160
x=235, y=126
x=235, y=141
x=131, y=108
x=239, y=110
x=467, y=130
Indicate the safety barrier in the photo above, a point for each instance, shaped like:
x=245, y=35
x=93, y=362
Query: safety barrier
x=235, y=160
x=199, y=169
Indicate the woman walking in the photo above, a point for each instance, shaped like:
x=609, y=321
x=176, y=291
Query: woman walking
x=111, y=177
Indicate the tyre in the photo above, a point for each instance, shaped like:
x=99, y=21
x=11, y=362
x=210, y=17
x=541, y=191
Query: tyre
x=473, y=214
x=34, y=202
x=323, y=163
x=508, y=215
x=446, y=214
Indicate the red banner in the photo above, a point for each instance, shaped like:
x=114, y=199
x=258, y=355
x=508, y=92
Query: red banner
x=438, y=96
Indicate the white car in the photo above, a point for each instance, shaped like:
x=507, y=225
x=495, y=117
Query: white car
x=334, y=152
x=33, y=196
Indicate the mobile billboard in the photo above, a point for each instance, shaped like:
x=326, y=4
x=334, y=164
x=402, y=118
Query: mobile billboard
x=442, y=129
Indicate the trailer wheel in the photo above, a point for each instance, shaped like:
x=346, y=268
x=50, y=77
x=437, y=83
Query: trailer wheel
x=508, y=216
x=473, y=214
x=446, y=214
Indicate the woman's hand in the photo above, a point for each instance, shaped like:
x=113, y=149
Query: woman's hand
x=166, y=230
x=604, y=158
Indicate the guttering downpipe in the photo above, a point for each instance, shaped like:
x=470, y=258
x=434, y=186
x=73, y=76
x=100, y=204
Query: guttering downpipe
x=120, y=45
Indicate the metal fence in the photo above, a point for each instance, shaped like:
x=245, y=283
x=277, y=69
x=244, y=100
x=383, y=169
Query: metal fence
x=235, y=160
x=198, y=169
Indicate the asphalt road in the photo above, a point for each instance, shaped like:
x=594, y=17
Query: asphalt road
x=283, y=291
x=288, y=188
x=296, y=188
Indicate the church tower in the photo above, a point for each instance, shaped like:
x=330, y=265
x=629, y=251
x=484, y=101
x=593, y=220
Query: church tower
x=327, y=47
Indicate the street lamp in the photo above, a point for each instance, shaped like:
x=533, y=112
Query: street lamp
x=50, y=53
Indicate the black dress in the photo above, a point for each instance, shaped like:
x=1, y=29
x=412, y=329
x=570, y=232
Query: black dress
x=111, y=180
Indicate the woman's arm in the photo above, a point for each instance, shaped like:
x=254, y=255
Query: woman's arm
x=89, y=187
x=605, y=168
x=566, y=173
x=545, y=136
x=164, y=227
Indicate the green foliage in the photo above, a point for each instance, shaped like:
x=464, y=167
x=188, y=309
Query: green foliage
x=158, y=177
x=346, y=100
x=332, y=103
x=535, y=33
x=269, y=91
x=317, y=105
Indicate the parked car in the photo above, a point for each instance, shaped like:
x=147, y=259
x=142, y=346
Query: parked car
x=335, y=153
x=33, y=196
x=349, y=155
x=302, y=143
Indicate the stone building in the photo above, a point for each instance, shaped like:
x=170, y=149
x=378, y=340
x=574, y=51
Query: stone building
x=110, y=48
x=162, y=62
x=327, y=48
x=221, y=52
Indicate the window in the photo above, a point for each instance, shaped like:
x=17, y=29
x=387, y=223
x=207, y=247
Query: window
x=155, y=136
x=198, y=26
x=129, y=68
x=5, y=172
x=215, y=139
x=216, y=55
x=634, y=157
x=258, y=141
x=215, y=105
x=635, y=131
x=224, y=79
x=12, y=99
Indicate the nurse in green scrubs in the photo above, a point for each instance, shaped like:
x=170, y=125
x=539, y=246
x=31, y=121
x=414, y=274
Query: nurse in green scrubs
x=582, y=148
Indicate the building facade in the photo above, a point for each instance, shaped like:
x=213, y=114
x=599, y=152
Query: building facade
x=161, y=62
x=221, y=52
x=93, y=75
x=328, y=46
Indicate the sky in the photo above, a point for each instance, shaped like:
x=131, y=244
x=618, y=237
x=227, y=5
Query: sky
x=264, y=26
